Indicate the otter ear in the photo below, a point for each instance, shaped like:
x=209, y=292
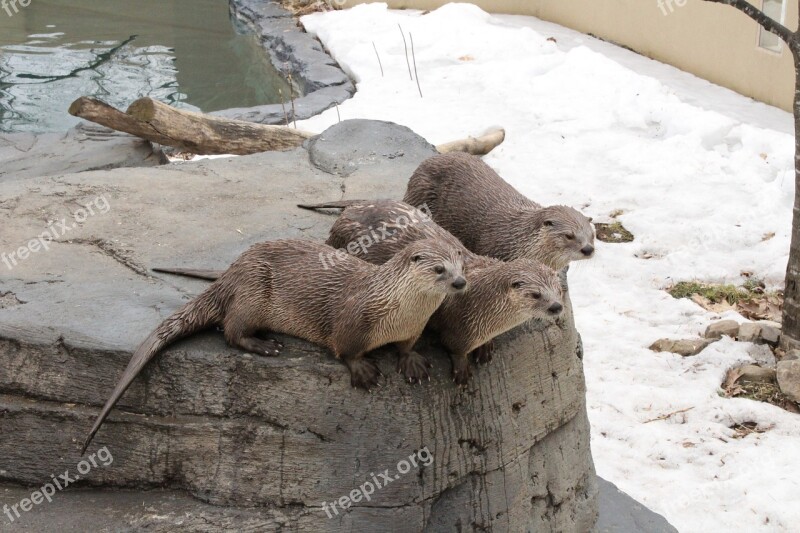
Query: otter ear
x=549, y=223
x=590, y=219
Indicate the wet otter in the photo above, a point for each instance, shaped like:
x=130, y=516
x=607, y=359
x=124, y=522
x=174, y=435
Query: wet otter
x=501, y=295
x=468, y=198
x=350, y=308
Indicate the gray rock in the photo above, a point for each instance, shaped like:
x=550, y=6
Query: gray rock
x=684, y=347
x=756, y=374
x=791, y=355
x=84, y=147
x=762, y=355
x=353, y=144
x=749, y=332
x=279, y=434
x=770, y=333
x=619, y=513
x=789, y=378
x=320, y=79
x=723, y=327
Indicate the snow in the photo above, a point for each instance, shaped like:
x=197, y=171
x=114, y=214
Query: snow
x=702, y=176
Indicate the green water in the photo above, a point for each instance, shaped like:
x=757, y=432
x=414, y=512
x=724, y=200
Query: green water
x=184, y=52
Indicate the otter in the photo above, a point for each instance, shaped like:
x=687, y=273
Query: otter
x=501, y=295
x=350, y=308
x=471, y=201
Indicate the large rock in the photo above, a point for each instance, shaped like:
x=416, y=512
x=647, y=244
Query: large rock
x=285, y=434
x=749, y=332
x=84, y=147
x=722, y=328
x=789, y=378
x=682, y=347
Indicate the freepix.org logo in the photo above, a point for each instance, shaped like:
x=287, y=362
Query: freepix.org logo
x=11, y=7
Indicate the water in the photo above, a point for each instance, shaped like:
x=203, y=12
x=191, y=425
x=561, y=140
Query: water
x=187, y=53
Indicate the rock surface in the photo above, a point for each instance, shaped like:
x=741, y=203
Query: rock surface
x=619, y=513
x=283, y=434
x=716, y=330
x=756, y=374
x=84, y=147
x=770, y=333
x=762, y=355
x=789, y=378
x=159, y=510
x=749, y=332
x=684, y=347
x=322, y=82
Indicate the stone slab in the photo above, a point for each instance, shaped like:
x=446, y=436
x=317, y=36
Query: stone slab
x=282, y=433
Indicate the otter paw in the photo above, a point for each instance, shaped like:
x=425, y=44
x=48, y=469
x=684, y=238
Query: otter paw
x=483, y=354
x=414, y=367
x=265, y=347
x=461, y=371
x=364, y=373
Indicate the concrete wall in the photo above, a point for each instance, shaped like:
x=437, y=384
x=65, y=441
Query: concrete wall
x=713, y=41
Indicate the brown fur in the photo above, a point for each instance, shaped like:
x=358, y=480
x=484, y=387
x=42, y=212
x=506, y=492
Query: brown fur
x=501, y=295
x=350, y=307
x=467, y=198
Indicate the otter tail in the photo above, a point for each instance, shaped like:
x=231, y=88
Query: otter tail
x=211, y=275
x=198, y=314
x=341, y=204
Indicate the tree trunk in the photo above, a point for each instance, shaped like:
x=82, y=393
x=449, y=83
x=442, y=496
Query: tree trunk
x=791, y=305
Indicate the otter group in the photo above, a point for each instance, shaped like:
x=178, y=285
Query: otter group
x=482, y=260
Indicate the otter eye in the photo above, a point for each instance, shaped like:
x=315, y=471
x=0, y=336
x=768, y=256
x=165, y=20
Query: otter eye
x=416, y=258
x=548, y=223
x=516, y=285
x=537, y=295
x=570, y=236
x=439, y=269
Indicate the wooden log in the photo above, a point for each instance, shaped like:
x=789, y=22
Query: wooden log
x=475, y=145
x=193, y=132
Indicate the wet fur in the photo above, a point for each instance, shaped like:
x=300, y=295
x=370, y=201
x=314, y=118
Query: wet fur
x=350, y=307
x=491, y=218
x=469, y=320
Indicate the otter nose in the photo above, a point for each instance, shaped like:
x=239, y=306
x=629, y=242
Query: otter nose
x=459, y=283
x=587, y=250
x=555, y=308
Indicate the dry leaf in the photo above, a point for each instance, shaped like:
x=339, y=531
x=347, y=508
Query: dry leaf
x=729, y=385
x=767, y=236
x=466, y=58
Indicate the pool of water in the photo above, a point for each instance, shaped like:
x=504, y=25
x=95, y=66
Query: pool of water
x=188, y=53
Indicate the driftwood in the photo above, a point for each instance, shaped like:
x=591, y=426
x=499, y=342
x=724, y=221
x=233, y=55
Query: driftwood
x=193, y=132
x=475, y=145
x=203, y=134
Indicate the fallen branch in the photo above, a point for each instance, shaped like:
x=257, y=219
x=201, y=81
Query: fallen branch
x=475, y=145
x=202, y=134
x=192, y=132
x=664, y=417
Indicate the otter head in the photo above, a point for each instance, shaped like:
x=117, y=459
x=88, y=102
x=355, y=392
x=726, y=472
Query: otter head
x=534, y=289
x=563, y=235
x=437, y=266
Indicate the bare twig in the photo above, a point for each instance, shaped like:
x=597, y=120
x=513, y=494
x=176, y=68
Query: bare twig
x=338, y=115
x=405, y=45
x=291, y=94
x=283, y=105
x=765, y=21
x=414, y=57
x=664, y=417
x=379, y=58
